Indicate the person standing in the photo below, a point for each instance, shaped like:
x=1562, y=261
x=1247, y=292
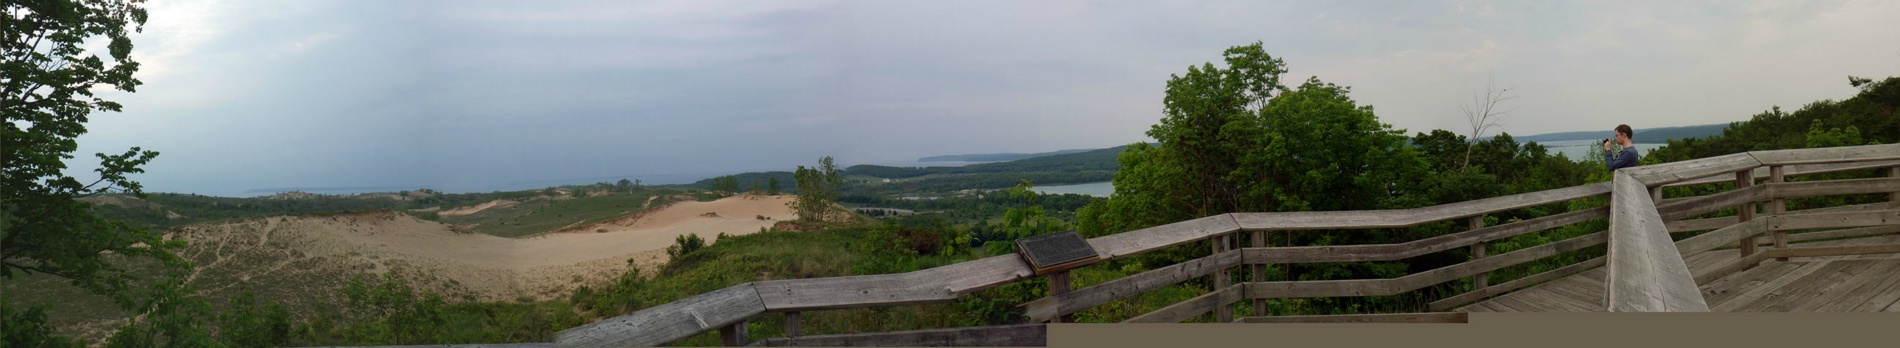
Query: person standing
x=1617, y=160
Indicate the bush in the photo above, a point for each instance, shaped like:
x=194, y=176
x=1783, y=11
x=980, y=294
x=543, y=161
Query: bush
x=684, y=245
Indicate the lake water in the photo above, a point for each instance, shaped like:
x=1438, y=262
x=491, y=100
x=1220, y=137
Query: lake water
x=1098, y=189
x=1580, y=149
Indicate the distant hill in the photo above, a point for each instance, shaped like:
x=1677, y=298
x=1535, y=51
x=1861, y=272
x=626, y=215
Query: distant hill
x=1088, y=160
x=997, y=157
x=1643, y=135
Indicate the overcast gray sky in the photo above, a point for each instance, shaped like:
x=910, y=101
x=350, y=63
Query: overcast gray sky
x=482, y=95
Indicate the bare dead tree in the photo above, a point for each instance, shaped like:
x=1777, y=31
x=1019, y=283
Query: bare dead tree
x=1483, y=114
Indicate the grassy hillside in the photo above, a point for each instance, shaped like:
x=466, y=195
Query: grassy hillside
x=1093, y=160
x=542, y=214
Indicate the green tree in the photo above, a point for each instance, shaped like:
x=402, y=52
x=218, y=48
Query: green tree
x=1308, y=148
x=771, y=185
x=817, y=190
x=623, y=184
x=46, y=92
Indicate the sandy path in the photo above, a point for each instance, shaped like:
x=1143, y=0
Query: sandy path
x=479, y=207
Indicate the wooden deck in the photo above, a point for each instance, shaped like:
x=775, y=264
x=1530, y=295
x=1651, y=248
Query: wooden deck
x=1858, y=283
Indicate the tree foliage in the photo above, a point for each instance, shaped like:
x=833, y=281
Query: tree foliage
x=49, y=79
x=817, y=190
x=1234, y=140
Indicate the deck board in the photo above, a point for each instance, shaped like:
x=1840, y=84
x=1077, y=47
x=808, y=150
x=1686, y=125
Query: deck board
x=1851, y=283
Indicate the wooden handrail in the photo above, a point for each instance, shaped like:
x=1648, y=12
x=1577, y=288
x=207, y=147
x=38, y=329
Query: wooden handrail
x=1646, y=272
x=1638, y=223
x=1793, y=170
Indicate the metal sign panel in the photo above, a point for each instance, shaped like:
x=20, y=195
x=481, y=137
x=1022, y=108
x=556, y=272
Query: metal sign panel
x=1055, y=249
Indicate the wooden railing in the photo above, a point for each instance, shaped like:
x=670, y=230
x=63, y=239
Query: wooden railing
x=1646, y=271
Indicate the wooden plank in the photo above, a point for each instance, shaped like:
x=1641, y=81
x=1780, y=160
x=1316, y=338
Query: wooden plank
x=1768, y=287
x=1884, y=295
x=1673, y=172
x=1027, y=335
x=1842, y=233
x=1223, y=312
x=1259, y=273
x=1830, y=154
x=1577, y=289
x=1059, y=284
x=792, y=326
x=1801, y=290
x=1701, y=224
x=1123, y=244
x=852, y=292
x=1520, y=283
x=1835, y=250
x=1499, y=261
x=1855, y=288
x=1799, y=169
x=1832, y=187
x=1044, y=309
x=734, y=335
x=1381, y=287
x=1718, y=238
x=1723, y=289
x=1477, y=252
x=1551, y=301
x=668, y=322
x=1647, y=274
x=1450, y=318
x=1834, y=220
x=1193, y=307
x=1776, y=207
x=1845, y=208
x=1396, y=218
x=1401, y=251
x=1737, y=265
x=1705, y=204
x=935, y=285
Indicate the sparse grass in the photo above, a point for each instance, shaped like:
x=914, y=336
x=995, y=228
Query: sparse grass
x=537, y=216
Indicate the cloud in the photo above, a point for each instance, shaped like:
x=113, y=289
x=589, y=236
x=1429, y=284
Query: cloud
x=475, y=94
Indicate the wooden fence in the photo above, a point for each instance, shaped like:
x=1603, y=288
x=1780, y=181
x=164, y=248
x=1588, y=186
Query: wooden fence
x=1646, y=271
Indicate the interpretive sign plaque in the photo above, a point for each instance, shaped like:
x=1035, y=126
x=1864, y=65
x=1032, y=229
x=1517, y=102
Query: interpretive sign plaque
x=1056, y=252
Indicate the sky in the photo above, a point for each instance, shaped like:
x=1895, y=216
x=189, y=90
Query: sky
x=241, y=97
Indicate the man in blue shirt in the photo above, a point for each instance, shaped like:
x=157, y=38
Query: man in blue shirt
x=1627, y=158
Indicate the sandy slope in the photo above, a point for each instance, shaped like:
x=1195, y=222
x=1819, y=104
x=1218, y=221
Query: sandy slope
x=486, y=266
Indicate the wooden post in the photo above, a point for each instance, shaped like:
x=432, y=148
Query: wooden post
x=734, y=335
x=791, y=324
x=1655, y=194
x=1777, y=207
x=1288, y=267
x=1259, y=274
x=1059, y=284
x=1224, y=312
x=1480, y=280
x=1746, y=211
x=1894, y=198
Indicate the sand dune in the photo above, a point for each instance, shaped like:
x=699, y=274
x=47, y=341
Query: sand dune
x=485, y=266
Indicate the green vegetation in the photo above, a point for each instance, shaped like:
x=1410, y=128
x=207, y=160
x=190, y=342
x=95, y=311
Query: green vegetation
x=1092, y=160
x=1233, y=139
x=546, y=214
x=817, y=190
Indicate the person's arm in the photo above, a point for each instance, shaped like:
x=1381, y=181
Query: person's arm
x=1609, y=163
x=1624, y=160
